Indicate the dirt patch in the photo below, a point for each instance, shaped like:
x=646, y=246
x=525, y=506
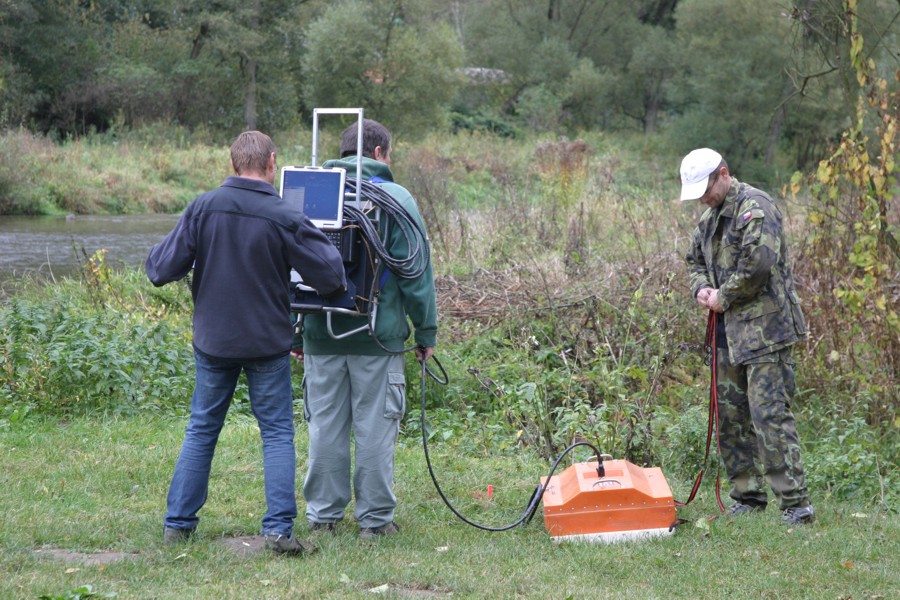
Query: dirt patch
x=242, y=546
x=87, y=558
x=245, y=545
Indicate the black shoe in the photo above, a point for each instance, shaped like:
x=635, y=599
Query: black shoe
x=174, y=535
x=739, y=508
x=798, y=515
x=288, y=544
x=368, y=533
x=318, y=528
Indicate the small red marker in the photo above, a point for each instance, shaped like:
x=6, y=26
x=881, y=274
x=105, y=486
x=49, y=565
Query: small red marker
x=490, y=490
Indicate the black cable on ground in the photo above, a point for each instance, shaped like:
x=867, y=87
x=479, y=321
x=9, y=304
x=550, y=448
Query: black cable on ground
x=536, y=497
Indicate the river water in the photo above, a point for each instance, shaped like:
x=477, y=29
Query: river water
x=52, y=247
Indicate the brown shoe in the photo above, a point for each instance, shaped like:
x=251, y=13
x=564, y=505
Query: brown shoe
x=320, y=528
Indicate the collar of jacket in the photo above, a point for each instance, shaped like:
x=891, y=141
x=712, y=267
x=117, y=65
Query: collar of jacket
x=370, y=167
x=729, y=206
x=255, y=185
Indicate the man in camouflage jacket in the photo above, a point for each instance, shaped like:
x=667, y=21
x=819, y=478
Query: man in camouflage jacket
x=739, y=269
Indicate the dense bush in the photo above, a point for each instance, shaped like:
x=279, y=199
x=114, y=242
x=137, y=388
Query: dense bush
x=107, y=342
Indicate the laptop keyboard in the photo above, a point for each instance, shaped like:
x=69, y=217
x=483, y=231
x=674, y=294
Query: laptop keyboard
x=335, y=238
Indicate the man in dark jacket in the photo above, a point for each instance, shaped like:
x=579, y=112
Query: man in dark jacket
x=242, y=240
x=357, y=382
x=739, y=269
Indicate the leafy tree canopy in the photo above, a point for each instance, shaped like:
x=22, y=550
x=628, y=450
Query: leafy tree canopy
x=770, y=83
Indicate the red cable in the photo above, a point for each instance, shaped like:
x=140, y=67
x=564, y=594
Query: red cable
x=710, y=348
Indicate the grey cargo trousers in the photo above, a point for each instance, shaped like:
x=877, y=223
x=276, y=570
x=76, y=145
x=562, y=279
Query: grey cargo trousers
x=365, y=395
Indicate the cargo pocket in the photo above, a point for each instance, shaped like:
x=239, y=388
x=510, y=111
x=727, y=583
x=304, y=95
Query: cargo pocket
x=306, y=414
x=395, y=401
x=800, y=326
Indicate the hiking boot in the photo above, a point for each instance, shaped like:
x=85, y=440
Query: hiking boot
x=174, y=535
x=798, y=515
x=739, y=508
x=370, y=533
x=288, y=544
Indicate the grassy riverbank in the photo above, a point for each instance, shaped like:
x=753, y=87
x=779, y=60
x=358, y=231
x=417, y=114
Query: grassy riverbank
x=72, y=489
x=146, y=171
x=155, y=169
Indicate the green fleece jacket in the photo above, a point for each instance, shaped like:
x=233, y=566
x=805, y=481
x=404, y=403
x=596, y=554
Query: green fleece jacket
x=398, y=298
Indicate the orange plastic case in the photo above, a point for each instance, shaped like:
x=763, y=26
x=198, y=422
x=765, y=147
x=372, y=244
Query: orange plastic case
x=627, y=502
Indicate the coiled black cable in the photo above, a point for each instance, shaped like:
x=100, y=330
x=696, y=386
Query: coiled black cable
x=417, y=259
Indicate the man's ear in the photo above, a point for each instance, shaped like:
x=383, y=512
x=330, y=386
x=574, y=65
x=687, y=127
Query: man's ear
x=380, y=155
x=233, y=167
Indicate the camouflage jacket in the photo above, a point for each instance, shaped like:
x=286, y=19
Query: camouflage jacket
x=739, y=248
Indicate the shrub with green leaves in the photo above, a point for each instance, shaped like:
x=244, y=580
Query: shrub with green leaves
x=107, y=343
x=848, y=461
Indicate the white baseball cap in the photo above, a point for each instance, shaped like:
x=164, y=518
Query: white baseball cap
x=695, y=171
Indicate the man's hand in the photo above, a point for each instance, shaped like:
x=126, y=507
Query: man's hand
x=713, y=302
x=709, y=298
x=297, y=353
x=703, y=297
x=423, y=353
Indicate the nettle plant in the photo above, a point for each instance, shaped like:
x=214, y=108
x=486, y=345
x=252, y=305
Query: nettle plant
x=109, y=342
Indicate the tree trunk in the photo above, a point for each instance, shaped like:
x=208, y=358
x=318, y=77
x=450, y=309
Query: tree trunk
x=250, y=96
x=778, y=121
x=651, y=112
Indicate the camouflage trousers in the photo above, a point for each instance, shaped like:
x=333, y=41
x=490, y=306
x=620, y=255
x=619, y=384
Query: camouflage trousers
x=757, y=432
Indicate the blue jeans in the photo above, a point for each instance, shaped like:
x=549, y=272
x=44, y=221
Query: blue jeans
x=271, y=401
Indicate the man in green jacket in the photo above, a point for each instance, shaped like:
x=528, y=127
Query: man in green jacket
x=357, y=382
x=739, y=269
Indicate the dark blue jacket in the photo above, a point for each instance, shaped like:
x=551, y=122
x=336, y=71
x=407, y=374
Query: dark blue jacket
x=242, y=240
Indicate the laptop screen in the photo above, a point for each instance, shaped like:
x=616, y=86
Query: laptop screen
x=317, y=192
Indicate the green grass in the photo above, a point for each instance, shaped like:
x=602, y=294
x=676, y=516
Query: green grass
x=99, y=484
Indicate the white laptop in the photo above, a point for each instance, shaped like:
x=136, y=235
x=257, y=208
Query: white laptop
x=318, y=192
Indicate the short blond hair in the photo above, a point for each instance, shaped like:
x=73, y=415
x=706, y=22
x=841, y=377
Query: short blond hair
x=250, y=152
